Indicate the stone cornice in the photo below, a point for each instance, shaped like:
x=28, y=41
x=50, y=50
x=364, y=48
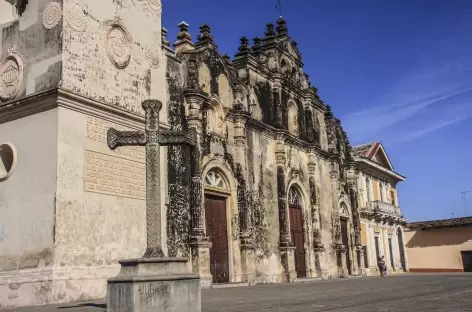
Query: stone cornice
x=278, y=134
x=50, y=99
x=29, y=105
x=376, y=167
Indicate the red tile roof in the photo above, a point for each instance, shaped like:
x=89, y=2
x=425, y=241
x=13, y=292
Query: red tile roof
x=455, y=222
x=365, y=150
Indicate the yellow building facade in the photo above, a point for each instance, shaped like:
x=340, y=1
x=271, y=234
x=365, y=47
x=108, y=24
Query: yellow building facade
x=382, y=232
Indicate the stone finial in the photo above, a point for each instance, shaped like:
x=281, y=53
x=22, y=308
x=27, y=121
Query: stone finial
x=165, y=41
x=243, y=47
x=257, y=44
x=184, y=34
x=205, y=34
x=281, y=26
x=270, y=30
x=227, y=59
x=184, y=39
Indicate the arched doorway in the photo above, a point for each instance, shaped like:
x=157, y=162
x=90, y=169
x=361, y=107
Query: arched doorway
x=216, y=190
x=345, y=235
x=401, y=249
x=296, y=230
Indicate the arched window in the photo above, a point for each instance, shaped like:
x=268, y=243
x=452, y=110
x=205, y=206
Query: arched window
x=294, y=198
x=214, y=179
x=367, y=188
x=292, y=118
x=344, y=211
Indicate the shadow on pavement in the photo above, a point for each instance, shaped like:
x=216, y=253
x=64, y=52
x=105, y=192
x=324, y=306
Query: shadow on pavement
x=95, y=305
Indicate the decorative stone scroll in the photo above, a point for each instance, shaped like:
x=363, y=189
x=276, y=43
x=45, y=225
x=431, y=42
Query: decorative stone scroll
x=118, y=43
x=75, y=18
x=11, y=74
x=52, y=15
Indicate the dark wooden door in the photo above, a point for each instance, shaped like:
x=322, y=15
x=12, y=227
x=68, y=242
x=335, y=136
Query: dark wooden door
x=298, y=239
x=467, y=260
x=217, y=230
x=345, y=238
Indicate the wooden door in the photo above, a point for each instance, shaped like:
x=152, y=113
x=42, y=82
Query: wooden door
x=467, y=260
x=217, y=230
x=345, y=238
x=298, y=239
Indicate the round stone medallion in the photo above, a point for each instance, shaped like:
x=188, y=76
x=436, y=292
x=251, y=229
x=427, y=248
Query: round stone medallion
x=118, y=46
x=52, y=15
x=11, y=77
x=8, y=160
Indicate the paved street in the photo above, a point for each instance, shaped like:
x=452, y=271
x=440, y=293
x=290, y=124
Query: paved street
x=452, y=292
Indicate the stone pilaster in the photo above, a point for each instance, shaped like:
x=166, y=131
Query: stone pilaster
x=287, y=251
x=199, y=242
x=351, y=180
x=248, y=261
x=318, y=246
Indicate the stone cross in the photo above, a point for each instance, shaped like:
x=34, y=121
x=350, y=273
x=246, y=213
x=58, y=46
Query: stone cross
x=152, y=138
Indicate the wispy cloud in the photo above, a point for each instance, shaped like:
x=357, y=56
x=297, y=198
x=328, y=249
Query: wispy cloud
x=423, y=132
x=364, y=123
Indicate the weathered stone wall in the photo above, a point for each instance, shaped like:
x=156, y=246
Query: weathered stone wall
x=27, y=209
x=123, y=38
x=38, y=49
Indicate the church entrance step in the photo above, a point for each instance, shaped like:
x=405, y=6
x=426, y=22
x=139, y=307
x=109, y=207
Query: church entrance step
x=230, y=285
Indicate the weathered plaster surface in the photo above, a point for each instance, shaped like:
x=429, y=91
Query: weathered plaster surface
x=27, y=208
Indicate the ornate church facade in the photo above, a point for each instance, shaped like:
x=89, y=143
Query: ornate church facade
x=275, y=196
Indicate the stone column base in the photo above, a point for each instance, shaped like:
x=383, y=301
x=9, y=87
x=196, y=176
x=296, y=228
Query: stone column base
x=154, y=284
x=201, y=262
x=341, y=261
x=287, y=257
x=248, y=264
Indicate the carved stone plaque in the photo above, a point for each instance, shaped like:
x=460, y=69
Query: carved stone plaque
x=118, y=43
x=11, y=74
x=154, y=296
x=52, y=15
x=120, y=172
x=114, y=176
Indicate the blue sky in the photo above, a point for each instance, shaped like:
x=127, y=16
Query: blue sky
x=395, y=71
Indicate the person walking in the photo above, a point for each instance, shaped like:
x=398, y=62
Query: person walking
x=382, y=266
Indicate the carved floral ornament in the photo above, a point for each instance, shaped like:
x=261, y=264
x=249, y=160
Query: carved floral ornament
x=52, y=15
x=214, y=179
x=75, y=17
x=11, y=74
x=118, y=43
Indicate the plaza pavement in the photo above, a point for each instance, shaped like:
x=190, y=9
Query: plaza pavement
x=409, y=292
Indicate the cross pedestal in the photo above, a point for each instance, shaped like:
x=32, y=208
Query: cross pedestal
x=153, y=282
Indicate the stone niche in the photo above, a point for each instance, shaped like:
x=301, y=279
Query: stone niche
x=7, y=160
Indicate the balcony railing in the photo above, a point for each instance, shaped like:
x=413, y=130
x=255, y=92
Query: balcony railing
x=378, y=207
